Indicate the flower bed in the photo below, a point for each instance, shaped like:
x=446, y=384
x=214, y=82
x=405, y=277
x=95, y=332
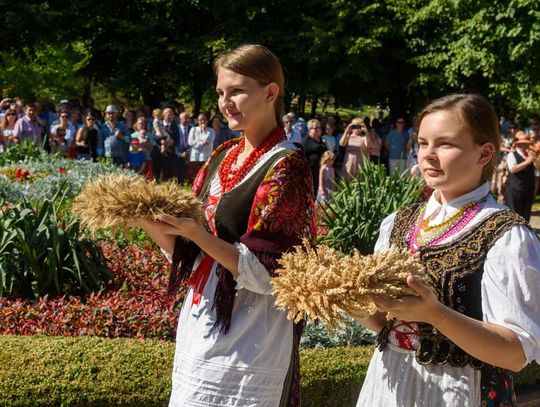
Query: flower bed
x=35, y=179
x=134, y=305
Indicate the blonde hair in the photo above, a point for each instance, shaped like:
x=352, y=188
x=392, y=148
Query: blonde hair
x=326, y=156
x=357, y=120
x=157, y=112
x=259, y=63
x=478, y=115
x=313, y=123
x=141, y=121
x=5, y=122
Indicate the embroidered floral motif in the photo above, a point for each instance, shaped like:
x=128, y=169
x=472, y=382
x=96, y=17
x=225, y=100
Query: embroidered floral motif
x=283, y=201
x=210, y=205
x=496, y=388
x=199, y=180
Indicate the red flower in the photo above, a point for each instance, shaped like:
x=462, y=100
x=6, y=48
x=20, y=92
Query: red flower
x=492, y=394
x=18, y=173
x=62, y=170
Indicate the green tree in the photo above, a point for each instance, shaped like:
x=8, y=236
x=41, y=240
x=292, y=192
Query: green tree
x=45, y=71
x=488, y=47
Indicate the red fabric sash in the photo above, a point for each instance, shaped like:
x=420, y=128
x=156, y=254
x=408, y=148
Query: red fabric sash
x=199, y=278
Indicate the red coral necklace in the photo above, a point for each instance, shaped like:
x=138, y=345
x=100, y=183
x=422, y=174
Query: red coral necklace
x=230, y=177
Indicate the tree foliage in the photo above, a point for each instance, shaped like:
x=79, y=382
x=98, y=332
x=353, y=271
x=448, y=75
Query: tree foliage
x=403, y=51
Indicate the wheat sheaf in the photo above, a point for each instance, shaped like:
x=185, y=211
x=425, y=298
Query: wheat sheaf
x=112, y=201
x=322, y=284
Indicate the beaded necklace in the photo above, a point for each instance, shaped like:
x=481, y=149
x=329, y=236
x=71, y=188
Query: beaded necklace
x=229, y=176
x=425, y=234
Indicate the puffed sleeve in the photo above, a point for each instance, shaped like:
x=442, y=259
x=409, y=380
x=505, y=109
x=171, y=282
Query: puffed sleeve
x=252, y=274
x=383, y=241
x=511, y=287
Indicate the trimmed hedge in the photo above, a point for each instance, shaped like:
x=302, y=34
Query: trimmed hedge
x=90, y=371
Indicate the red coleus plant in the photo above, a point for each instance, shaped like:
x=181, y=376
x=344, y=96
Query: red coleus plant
x=21, y=174
x=134, y=305
x=17, y=174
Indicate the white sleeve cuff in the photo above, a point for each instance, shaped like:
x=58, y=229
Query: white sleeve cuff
x=253, y=275
x=385, y=230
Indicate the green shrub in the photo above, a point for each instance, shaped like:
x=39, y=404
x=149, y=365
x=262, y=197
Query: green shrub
x=124, y=237
x=316, y=335
x=20, y=152
x=60, y=371
x=358, y=206
x=42, y=254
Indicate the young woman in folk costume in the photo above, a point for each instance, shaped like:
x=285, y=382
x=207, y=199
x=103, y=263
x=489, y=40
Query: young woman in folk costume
x=457, y=345
x=233, y=347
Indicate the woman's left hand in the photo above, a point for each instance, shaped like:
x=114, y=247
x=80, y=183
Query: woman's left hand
x=185, y=227
x=424, y=308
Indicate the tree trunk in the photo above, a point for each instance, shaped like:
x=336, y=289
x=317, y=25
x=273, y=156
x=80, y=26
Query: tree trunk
x=197, y=99
x=287, y=101
x=152, y=98
x=398, y=103
x=302, y=105
x=314, y=106
x=87, y=94
x=326, y=100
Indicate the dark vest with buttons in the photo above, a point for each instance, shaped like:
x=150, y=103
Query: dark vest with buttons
x=455, y=270
x=522, y=181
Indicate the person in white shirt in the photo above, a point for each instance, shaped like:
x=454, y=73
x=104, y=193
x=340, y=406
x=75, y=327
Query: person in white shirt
x=456, y=343
x=201, y=140
x=201, y=144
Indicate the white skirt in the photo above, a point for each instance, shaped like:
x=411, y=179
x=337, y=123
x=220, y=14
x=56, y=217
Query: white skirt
x=394, y=378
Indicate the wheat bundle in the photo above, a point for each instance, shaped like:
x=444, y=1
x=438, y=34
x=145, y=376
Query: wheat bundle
x=324, y=285
x=112, y=201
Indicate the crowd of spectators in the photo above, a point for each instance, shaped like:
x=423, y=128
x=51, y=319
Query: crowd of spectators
x=517, y=179
x=168, y=143
x=164, y=143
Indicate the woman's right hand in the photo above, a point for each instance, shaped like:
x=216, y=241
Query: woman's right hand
x=160, y=232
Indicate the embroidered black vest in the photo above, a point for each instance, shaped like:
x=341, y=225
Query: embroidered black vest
x=234, y=208
x=456, y=270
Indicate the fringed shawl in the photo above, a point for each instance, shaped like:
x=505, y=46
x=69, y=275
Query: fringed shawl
x=278, y=216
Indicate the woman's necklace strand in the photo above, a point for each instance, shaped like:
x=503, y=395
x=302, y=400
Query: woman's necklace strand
x=418, y=236
x=230, y=177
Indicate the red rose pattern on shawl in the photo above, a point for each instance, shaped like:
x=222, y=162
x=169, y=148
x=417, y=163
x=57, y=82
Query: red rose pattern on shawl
x=284, y=201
